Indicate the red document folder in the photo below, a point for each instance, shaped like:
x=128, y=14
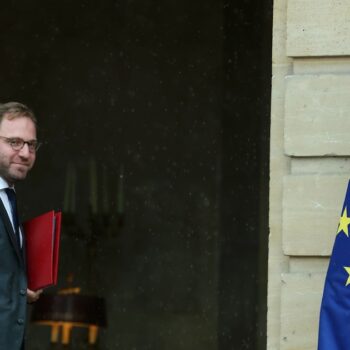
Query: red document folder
x=42, y=249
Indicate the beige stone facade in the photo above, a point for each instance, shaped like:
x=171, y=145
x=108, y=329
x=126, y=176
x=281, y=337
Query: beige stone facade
x=310, y=166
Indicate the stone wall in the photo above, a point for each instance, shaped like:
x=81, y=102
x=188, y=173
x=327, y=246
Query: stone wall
x=309, y=161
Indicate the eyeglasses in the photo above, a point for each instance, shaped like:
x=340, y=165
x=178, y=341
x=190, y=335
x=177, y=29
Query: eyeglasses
x=17, y=144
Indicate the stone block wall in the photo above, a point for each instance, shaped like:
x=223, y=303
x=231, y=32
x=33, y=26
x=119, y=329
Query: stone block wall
x=309, y=160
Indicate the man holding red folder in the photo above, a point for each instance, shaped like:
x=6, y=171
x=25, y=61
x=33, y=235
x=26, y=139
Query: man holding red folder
x=18, y=146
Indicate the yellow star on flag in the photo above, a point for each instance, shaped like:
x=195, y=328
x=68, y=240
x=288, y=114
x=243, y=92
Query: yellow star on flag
x=344, y=222
x=347, y=269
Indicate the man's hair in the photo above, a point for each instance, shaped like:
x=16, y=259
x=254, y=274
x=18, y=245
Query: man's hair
x=14, y=110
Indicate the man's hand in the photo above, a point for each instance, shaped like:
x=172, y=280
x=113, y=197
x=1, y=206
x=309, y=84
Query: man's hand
x=33, y=296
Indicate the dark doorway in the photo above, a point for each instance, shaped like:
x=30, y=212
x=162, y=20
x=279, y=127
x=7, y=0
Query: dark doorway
x=156, y=114
x=245, y=174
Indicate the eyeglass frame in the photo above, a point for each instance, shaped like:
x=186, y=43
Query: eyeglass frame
x=33, y=145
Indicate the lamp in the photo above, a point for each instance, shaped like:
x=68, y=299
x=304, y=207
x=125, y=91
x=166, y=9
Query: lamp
x=69, y=309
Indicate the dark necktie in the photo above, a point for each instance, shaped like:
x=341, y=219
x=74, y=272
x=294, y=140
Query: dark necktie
x=12, y=199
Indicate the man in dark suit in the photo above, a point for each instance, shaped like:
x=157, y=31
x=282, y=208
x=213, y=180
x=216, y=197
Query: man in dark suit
x=18, y=146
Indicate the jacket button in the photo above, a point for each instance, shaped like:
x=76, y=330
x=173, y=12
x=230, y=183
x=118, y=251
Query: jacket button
x=22, y=292
x=20, y=321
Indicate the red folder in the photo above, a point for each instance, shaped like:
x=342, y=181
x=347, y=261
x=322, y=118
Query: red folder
x=42, y=249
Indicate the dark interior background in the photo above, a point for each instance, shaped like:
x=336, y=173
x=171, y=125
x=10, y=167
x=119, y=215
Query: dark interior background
x=160, y=110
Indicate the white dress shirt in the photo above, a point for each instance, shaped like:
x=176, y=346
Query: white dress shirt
x=7, y=205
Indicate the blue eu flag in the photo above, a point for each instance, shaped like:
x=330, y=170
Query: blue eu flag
x=334, y=327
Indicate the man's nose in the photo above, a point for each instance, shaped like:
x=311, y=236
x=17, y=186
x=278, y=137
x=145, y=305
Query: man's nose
x=24, y=151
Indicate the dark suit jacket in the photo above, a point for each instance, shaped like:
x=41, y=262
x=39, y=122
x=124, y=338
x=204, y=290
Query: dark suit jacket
x=13, y=287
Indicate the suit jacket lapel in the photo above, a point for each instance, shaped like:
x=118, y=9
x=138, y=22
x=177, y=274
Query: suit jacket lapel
x=10, y=232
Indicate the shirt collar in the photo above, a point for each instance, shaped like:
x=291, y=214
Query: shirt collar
x=4, y=184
